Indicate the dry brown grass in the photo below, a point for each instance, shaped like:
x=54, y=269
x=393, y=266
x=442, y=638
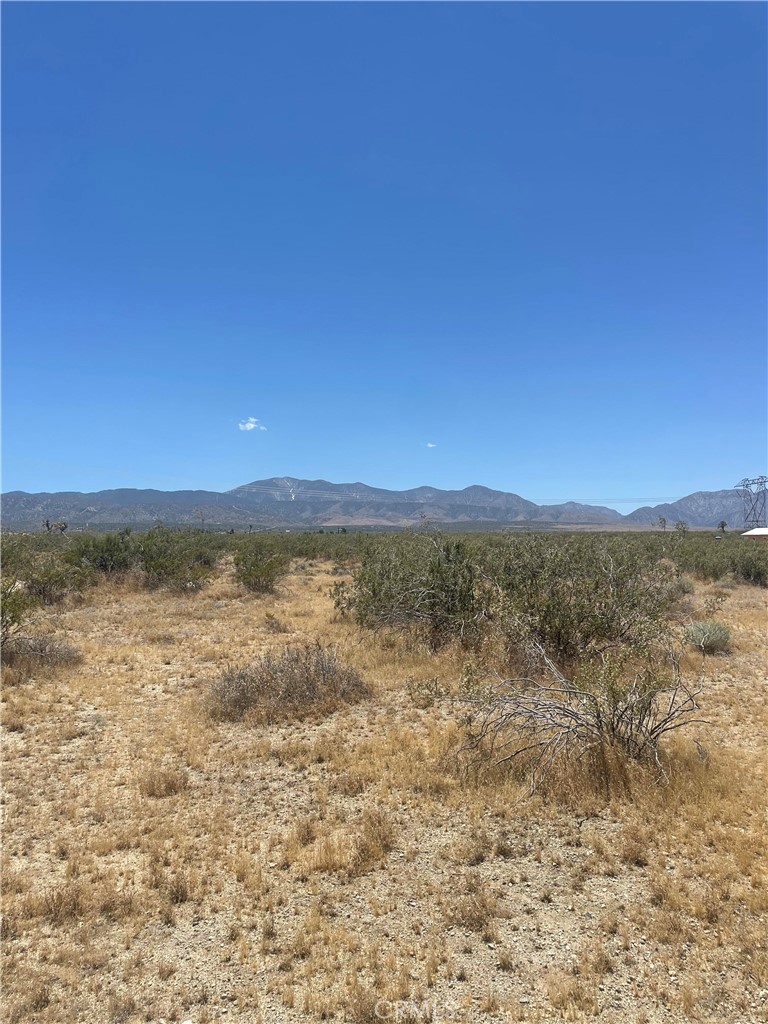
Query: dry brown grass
x=160, y=865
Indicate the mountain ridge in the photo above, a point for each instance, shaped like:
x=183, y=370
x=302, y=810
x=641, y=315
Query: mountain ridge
x=294, y=502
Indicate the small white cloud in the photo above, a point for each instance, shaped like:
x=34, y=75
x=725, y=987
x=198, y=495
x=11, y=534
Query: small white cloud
x=430, y=445
x=250, y=424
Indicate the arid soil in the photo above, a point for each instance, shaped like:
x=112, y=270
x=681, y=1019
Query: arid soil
x=159, y=866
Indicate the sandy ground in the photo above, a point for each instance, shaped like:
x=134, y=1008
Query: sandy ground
x=161, y=867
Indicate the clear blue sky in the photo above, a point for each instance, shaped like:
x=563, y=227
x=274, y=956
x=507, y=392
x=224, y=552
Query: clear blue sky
x=522, y=245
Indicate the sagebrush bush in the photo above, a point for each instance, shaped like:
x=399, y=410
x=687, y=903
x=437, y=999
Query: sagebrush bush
x=295, y=683
x=709, y=637
x=258, y=568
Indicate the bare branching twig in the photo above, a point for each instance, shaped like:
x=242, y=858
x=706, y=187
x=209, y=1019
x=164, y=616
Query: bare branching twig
x=544, y=721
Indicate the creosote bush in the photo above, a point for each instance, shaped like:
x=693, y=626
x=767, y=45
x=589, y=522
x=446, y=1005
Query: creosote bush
x=107, y=553
x=15, y=604
x=426, y=584
x=298, y=682
x=260, y=569
x=182, y=560
x=587, y=618
x=578, y=598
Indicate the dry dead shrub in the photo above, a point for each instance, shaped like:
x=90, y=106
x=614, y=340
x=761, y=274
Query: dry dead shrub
x=161, y=781
x=373, y=842
x=165, y=970
x=348, y=783
x=39, y=995
x=298, y=682
x=354, y=851
x=473, y=850
x=331, y=853
x=506, y=961
x=121, y=1008
x=26, y=655
x=476, y=909
x=62, y=903
x=364, y=1005
x=273, y=624
x=595, y=961
x=177, y=888
x=608, y=713
x=13, y=718
x=248, y=870
x=570, y=995
x=116, y=905
x=634, y=846
x=301, y=836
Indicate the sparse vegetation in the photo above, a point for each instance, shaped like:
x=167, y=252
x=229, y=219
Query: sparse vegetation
x=335, y=852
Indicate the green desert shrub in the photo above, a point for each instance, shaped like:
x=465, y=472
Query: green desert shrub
x=742, y=558
x=258, y=568
x=50, y=580
x=15, y=604
x=38, y=563
x=20, y=550
x=182, y=560
x=427, y=584
x=749, y=561
x=106, y=553
x=709, y=637
x=300, y=681
x=579, y=597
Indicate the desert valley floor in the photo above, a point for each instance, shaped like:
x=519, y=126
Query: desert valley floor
x=161, y=866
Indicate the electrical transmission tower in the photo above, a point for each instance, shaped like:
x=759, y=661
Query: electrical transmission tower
x=753, y=493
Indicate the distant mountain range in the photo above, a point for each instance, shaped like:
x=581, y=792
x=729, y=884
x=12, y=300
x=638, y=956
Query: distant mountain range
x=285, y=502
